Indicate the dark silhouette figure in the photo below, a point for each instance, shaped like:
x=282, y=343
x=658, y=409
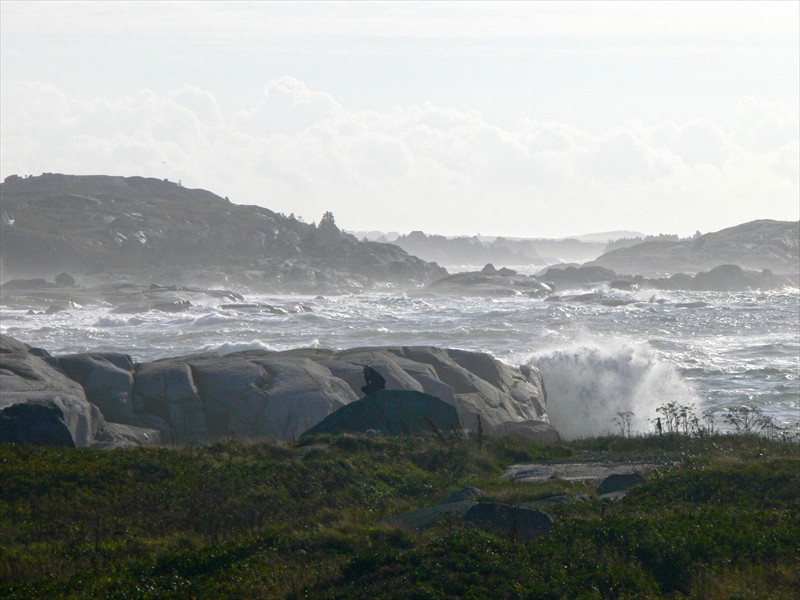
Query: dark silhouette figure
x=375, y=381
x=658, y=425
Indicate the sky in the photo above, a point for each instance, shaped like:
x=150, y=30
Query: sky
x=523, y=119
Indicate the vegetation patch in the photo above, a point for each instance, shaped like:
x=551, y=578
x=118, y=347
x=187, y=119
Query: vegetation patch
x=720, y=519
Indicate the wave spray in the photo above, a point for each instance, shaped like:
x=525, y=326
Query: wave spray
x=589, y=383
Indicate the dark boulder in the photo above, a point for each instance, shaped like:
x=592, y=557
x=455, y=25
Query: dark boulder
x=618, y=482
x=425, y=518
x=514, y=521
x=572, y=276
x=468, y=493
x=731, y=278
x=37, y=422
x=391, y=412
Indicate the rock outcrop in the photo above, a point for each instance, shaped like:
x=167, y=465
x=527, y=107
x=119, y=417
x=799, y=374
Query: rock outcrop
x=159, y=230
x=41, y=405
x=491, y=282
x=757, y=245
x=594, y=279
x=105, y=400
x=514, y=521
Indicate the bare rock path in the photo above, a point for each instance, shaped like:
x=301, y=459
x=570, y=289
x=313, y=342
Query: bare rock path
x=575, y=471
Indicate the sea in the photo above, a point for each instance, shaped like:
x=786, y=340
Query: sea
x=601, y=354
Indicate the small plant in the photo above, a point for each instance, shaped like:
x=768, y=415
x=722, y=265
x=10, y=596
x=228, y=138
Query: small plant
x=678, y=418
x=710, y=421
x=746, y=419
x=623, y=420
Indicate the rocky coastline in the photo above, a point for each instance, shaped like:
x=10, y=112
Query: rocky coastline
x=106, y=400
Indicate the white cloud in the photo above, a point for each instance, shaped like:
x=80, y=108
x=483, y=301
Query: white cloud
x=299, y=150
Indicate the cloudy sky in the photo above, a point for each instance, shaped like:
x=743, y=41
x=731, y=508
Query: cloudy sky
x=533, y=119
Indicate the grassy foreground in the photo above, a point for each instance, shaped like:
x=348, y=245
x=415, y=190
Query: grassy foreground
x=266, y=520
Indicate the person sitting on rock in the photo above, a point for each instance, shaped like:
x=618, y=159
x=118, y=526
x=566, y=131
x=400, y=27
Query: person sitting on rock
x=375, y=381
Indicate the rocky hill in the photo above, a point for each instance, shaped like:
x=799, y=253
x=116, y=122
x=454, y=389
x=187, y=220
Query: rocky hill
x=758, y=245
x=149, y=228
x=476, y=250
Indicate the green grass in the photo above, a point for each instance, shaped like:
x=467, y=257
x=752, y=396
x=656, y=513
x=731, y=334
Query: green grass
x=270, y=520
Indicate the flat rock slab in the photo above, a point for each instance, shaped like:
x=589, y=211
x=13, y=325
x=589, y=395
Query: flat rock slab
x=574, y=471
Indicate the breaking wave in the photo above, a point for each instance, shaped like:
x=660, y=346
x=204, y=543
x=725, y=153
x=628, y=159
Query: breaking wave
x=589, y=383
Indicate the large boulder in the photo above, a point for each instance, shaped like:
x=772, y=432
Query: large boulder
x=474, y=383
x=246, y=395
x=165, y=381
x=618, y=482
x=301, y=394
x=37, y=421
x=729, y=278
x=107, y=379
x=10, y=344
x=391, y=412
x=514, y=521
x=42, y=405
x=505, y=395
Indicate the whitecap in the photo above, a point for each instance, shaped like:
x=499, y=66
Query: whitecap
x=110, y=321
x=230, y=347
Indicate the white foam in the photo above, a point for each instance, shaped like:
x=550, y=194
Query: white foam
x=590, y=382
x=230, y=347
x=110, y=321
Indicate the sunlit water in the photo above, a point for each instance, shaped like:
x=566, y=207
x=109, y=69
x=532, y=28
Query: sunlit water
x=613, y=352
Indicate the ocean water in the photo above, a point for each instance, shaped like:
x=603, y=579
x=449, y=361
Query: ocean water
x=600, y=353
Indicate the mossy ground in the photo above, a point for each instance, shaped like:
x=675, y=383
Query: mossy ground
x=269, y=520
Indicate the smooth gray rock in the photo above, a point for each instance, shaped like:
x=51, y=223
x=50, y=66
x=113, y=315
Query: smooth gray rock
x=729, y=278
x=10, y=344
x=280, y=395
x=117, y=435
x=165, y=381
x=510, y=395
x=26, y=379
x=301, y=394
x=107, y=379
x=504, y=519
